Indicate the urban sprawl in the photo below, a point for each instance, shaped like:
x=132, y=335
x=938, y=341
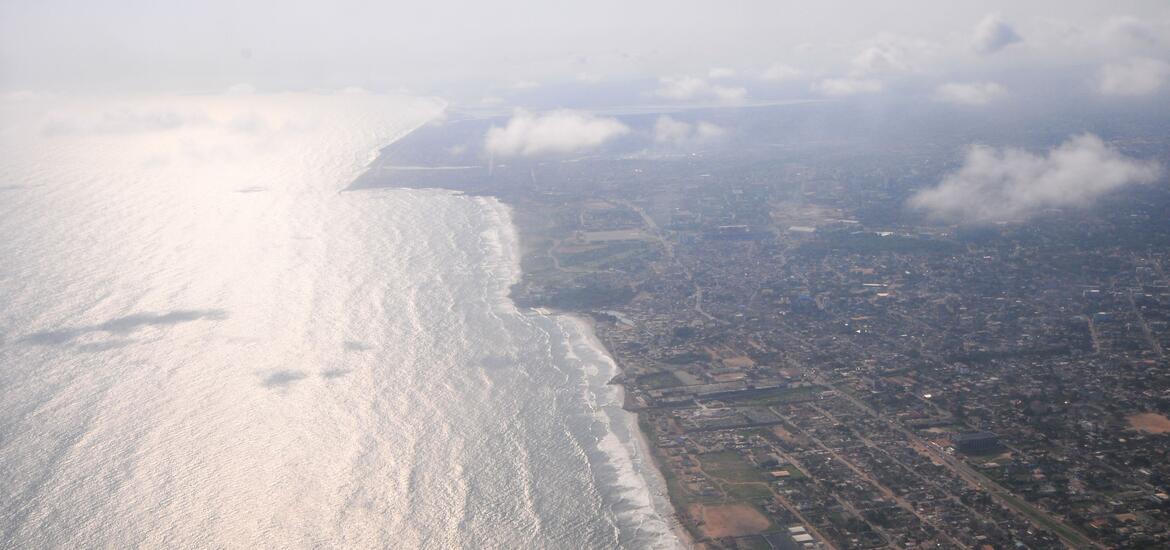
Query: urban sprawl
x=815, y=366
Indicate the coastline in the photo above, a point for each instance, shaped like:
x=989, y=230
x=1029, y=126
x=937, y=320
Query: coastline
x=639, y=444
x=525, y=226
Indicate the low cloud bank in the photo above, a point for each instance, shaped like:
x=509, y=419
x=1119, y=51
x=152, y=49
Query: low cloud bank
x=974, y=93
x=689, y=88
x=778, y=72
x=848, y=86
x=669, y=131
x=1134, y=77
x=1128, y=31
x=558, y=132
x=889, y=54
x=717, y=73
x=1009, y=184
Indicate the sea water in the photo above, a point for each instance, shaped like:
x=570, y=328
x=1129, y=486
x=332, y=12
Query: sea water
x=204, y=342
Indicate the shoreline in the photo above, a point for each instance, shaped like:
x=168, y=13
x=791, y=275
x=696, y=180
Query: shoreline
x=641, y=451
x=639, y=443
x=638, y=446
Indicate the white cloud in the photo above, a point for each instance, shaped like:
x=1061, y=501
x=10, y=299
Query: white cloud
x=1138, y=76
x=705, y=131
x=890, y=53
x=993, y=34
x=670, y=131
x=973, y=93
x=881, y=58
x=778, y=72
x=688, y=88
x=562, y=131
x=1129, y=31
x=1004, y=184
x=521, y=85
x=848, y=86
x=717, y=73
x=729, y=94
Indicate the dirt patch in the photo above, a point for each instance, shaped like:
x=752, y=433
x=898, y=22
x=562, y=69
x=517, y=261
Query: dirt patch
x=739, y=361
x=784, y=434
x=729, y=520
x=1152, y=423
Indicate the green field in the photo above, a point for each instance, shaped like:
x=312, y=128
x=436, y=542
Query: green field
x=729, y=466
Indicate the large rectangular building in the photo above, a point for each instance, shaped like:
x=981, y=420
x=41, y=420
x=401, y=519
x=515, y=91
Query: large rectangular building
x=976, y=442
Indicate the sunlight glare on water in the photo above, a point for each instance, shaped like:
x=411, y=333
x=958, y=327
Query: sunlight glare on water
x=206, y=343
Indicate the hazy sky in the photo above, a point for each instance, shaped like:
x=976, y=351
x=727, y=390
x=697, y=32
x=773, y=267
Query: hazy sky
x=838, y=47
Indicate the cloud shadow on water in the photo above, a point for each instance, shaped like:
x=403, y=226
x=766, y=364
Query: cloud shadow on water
x=282, y=378
x=354, y=345
x=98, y=347
x=124, y=325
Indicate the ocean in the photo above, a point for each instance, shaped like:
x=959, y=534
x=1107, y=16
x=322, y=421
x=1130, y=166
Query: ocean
x=205, y=342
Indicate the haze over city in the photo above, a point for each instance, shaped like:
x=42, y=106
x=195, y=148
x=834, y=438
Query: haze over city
x=776, y=275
